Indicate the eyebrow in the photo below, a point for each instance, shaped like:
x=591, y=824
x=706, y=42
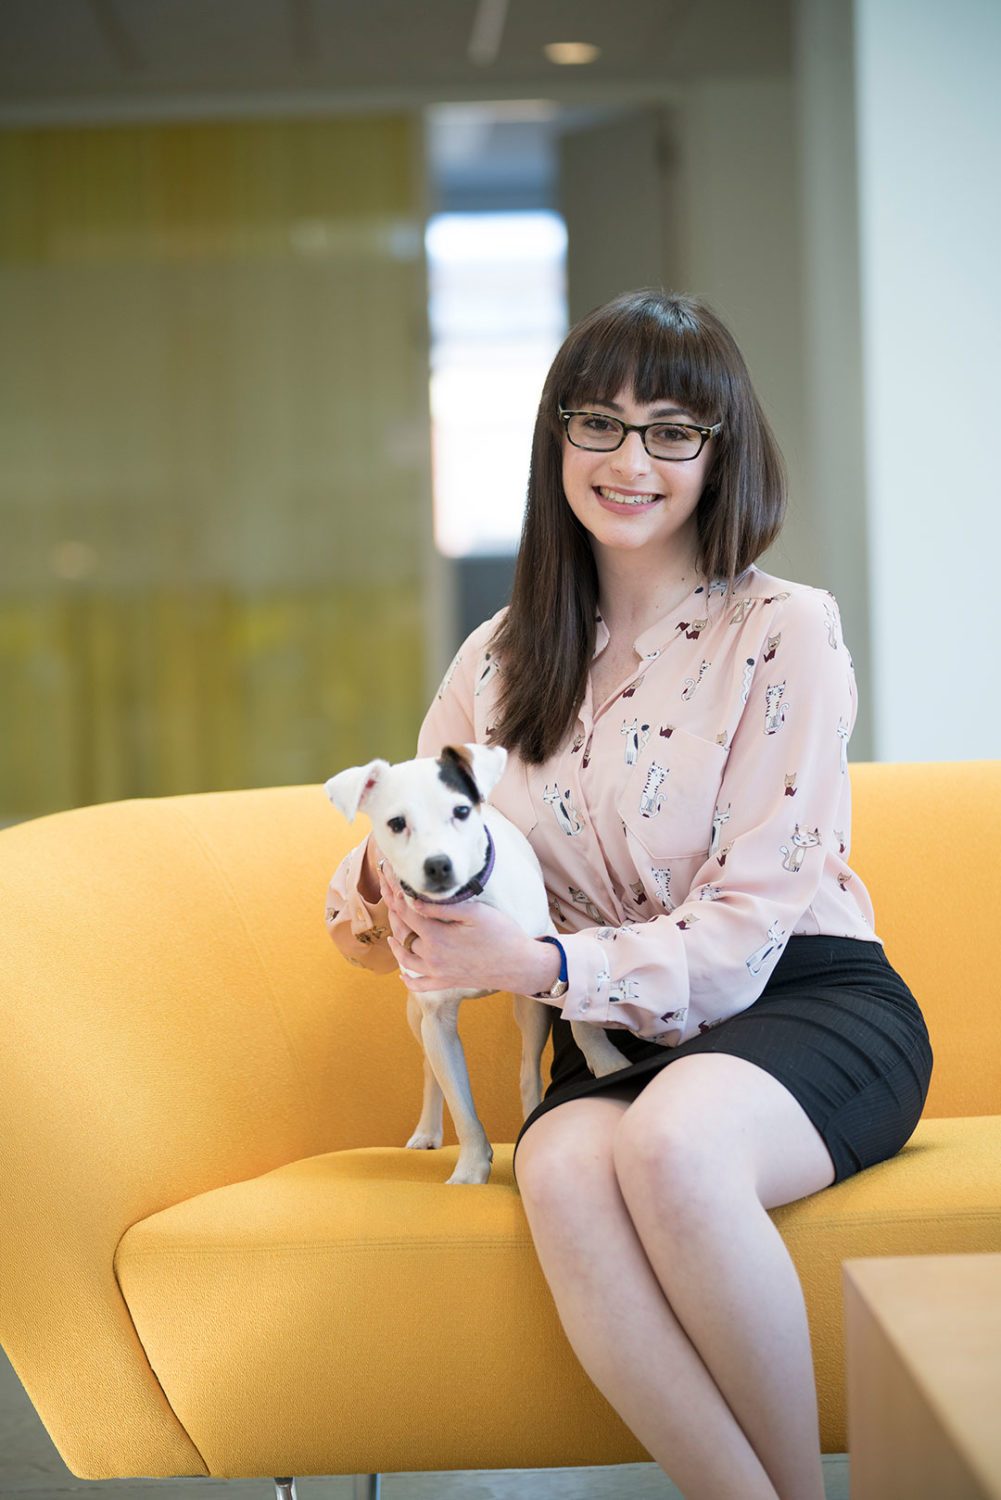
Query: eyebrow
x=662, y=411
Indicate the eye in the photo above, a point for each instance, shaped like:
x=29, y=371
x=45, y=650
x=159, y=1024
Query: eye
x=396, y=825
x=462, y=811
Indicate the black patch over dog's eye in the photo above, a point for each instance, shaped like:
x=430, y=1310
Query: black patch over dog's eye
x=396, y=825
x=462, y=811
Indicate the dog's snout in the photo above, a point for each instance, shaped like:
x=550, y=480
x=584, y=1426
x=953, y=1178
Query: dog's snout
x=438, y=870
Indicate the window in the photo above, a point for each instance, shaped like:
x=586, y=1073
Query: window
x=498, y=314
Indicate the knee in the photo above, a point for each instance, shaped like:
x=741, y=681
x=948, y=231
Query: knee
x=554, y=1167
x=543, y=1167
x=677, y=1161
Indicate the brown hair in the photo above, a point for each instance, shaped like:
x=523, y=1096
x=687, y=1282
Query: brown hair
x=658, y=344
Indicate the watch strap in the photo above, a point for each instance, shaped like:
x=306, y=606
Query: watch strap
x=561, y=985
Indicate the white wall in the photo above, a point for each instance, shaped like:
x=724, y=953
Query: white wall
x=928, y=92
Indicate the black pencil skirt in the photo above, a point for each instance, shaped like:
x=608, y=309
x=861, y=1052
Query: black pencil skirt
x=835, y=1023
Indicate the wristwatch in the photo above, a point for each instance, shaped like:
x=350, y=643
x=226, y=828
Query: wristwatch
x=561, y=985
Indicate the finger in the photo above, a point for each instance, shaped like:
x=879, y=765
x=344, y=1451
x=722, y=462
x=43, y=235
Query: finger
x=419, y=984
x=429, y=911
x=405, y=958
x=396, y=926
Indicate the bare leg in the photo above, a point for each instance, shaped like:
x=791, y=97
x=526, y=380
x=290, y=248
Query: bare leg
x=614, y=1312
x=705, y=1149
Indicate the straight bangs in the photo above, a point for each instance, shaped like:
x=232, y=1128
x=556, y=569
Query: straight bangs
x=655, y=352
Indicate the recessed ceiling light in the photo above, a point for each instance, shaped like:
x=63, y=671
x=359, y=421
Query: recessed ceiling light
x=571, y=52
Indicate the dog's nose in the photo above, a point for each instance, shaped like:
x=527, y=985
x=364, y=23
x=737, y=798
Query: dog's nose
x=438, y=870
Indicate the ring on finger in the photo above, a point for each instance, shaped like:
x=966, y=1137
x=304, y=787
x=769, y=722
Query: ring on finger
x=409, y=941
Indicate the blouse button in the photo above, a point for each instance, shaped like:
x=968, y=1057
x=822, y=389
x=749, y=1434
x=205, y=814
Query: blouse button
x=585, y=1004
x=649, y=655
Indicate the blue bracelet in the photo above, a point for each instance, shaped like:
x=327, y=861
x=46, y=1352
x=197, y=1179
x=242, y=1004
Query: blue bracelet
x=563, y=958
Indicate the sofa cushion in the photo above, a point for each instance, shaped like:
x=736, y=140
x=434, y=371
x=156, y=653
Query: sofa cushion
x=285, y=1315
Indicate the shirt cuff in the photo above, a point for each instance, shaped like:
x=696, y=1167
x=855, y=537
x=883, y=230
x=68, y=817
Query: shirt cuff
x=586, y=960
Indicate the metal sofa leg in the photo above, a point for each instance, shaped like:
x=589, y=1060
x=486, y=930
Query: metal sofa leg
x=367, y=1487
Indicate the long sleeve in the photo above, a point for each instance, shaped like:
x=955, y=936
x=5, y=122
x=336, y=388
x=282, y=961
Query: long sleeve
x=783, y=810
x=359, y=927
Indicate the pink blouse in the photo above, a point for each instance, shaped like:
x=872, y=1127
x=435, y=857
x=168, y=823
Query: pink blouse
x=689, y=824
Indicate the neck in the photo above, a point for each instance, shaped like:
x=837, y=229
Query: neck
x=628, y=604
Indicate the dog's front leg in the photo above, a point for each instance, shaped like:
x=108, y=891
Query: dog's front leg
x=443, y=1049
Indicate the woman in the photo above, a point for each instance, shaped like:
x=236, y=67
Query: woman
x=677, y=724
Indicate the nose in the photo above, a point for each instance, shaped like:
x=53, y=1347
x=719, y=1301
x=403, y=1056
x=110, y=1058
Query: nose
x=438, y=870
x=631, y=457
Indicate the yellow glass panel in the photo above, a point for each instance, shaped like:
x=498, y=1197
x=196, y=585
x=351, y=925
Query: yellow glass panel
x=214, y=455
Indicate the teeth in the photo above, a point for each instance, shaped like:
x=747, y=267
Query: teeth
x=619, y=499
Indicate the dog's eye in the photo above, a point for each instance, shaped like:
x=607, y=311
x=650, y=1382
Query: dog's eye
x=396, y=825
x=462, y=811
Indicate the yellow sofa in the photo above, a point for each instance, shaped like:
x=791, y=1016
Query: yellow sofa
x=218, y=1258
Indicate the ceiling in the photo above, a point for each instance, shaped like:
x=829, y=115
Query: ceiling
x=65, y=60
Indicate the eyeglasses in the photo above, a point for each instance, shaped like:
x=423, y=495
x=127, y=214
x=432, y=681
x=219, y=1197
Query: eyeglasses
x=676, y=441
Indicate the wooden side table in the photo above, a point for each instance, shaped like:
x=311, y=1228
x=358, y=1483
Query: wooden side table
x=923, y=1356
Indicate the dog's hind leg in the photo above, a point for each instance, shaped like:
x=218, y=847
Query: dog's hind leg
x=600, y=1052
x=430, y=1127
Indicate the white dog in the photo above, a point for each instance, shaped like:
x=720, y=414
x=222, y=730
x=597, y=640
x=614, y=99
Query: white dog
x=433, y=826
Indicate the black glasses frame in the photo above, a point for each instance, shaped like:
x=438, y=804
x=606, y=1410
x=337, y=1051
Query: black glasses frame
x=705, y=433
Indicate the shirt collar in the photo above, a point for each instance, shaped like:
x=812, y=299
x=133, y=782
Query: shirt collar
x=697, y=605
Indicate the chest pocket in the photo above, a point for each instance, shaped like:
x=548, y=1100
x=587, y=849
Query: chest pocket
x=668, y=798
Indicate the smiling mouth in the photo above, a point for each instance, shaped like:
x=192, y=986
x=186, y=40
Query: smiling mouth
x=621, y=497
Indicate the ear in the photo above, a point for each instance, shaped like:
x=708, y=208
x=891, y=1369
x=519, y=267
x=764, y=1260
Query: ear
x=350, y=790
x=482, y=765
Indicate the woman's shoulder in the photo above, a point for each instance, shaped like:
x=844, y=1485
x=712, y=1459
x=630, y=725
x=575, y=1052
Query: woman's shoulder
x=474, y=652
x=805, y=614
x=757, y=586
x=477, y=642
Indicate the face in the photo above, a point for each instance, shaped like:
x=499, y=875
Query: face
x=594, y=482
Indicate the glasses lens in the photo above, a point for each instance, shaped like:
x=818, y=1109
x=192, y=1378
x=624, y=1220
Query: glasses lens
x=673, y=441
x=589, y=430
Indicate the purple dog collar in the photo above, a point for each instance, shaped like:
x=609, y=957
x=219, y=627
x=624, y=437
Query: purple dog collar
x=472, y=887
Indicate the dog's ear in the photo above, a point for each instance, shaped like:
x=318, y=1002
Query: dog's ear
x=350, y=790
x=476, y=768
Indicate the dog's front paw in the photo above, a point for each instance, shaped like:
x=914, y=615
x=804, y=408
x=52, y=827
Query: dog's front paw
x=473, y=1170
x=425, y=1140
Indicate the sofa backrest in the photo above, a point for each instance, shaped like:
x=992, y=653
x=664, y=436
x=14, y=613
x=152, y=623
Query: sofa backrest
x=925, y=842
x=172, y=952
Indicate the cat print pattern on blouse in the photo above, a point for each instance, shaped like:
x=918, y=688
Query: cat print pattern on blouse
x=692, y=822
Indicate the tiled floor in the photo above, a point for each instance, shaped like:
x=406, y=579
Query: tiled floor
x=31, y=1469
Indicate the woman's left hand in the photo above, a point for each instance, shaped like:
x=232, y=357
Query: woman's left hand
x=469, y=946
